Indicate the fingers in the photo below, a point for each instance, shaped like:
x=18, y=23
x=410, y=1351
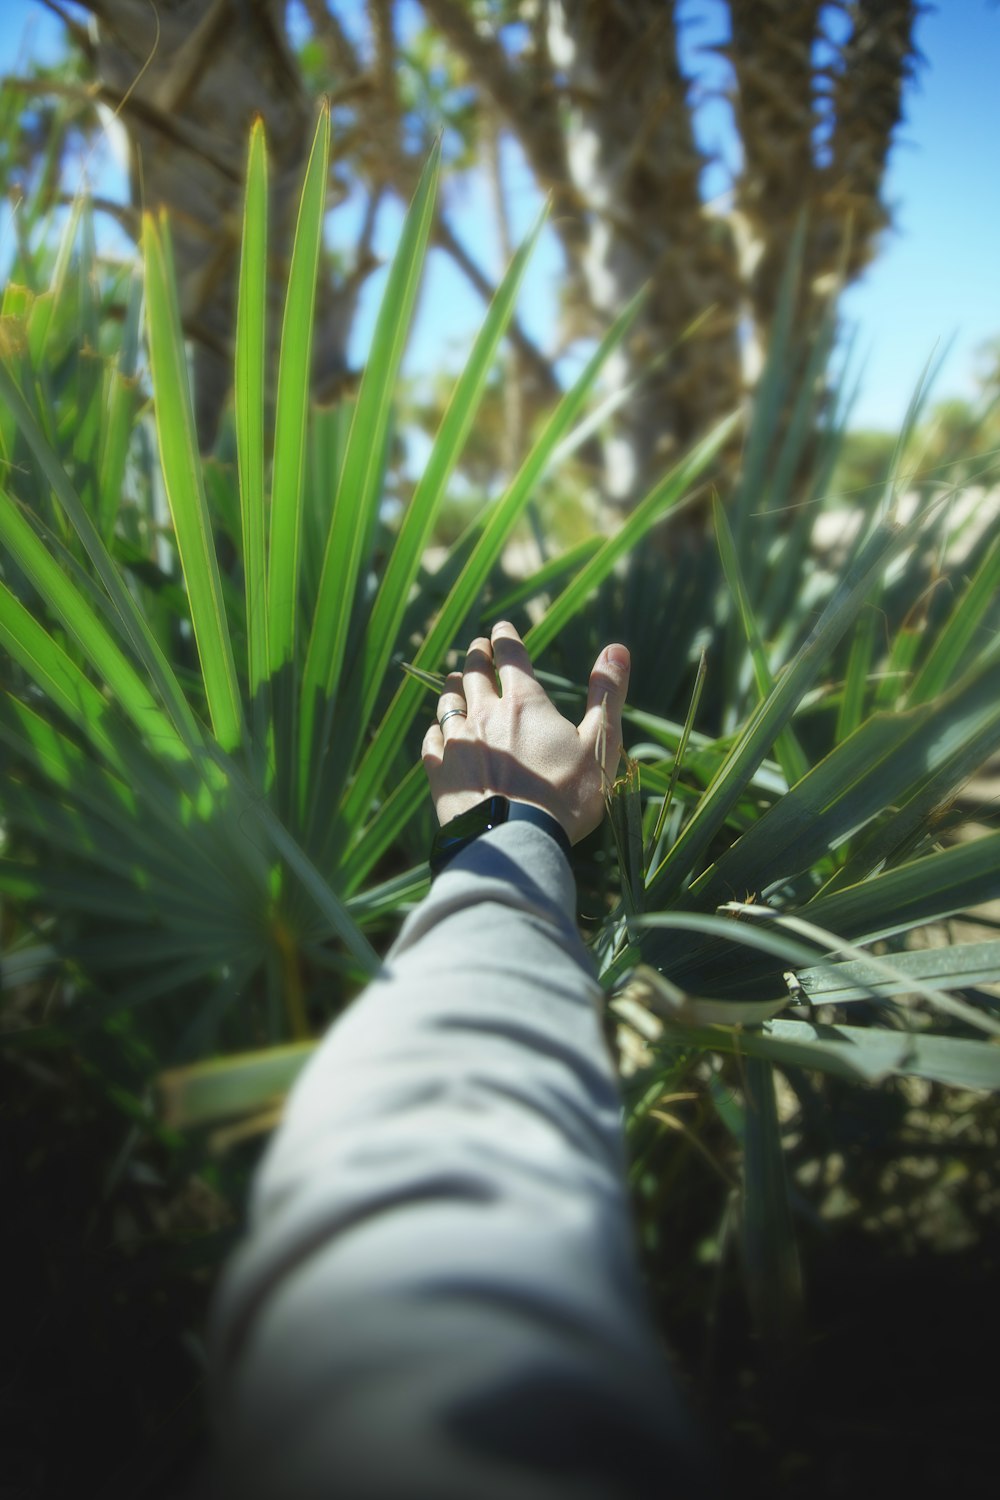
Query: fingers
x=512, y=660
x=479, y=683
x=610, y=675
x=452, y=694
x=472, y=689
x=452, y=709
x=602, y=723
x=432, y=750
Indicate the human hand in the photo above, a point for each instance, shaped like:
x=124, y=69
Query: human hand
x=518, y=744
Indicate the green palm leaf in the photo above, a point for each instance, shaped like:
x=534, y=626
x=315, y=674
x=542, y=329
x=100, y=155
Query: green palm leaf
x=359, y=492
x=133, y=623
x=767, y=722
x=292, y=404
x=415, y=531
x=182, y=475
x=251, y=346
x=52, y=670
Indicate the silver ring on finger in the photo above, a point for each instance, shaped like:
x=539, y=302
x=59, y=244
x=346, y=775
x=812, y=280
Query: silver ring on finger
x=462, y=713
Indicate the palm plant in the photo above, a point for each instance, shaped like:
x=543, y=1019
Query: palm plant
x=213, y=798
x=781, y=875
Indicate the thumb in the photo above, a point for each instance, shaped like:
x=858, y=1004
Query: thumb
x=608, y=687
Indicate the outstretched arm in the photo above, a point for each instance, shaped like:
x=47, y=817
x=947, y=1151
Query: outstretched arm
x=438, y=1298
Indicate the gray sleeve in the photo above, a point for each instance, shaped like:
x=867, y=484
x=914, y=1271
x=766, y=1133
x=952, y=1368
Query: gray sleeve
x=438, y=1296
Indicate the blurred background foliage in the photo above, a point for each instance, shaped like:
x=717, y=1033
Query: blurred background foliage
x=190, y=889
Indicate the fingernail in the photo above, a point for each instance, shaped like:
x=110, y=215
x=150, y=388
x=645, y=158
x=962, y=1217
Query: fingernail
x=618, y=656
x=502, y=625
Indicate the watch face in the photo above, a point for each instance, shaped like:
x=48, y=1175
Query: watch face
x=478, y=819
x=487, y=814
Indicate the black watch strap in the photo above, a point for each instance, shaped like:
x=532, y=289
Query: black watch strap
x=460, y=832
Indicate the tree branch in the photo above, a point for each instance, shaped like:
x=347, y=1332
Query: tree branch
x=400, y=170
x=535, y=363
x=78, y=33
x=530, y=111
x=326, y=24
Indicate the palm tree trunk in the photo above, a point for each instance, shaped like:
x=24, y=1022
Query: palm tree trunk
x=635, y=169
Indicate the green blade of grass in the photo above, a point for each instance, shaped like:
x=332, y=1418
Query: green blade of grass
x=120, y=404
x=359, y=494
x=657, y=994
x=770, y=396
x=890, y=760
x=38, y=742
x=863, y=646
x=159, y=804
x=52, y=670
x=329, y=432
x=839, y=796
x=125, y=803
x=433, y=681
x=210, y=1091
x=90, y=895
x=415, y=531
x=922, y=890
x=91, y=860
x=770, y=1254
x=130, y=949
x=808, y=928
x=392, y=817
x=22, y=966
x=184, y=485
x=766, y=780
x=540, y=582
x=74, y=831
x=790, y=755
x=860, y=1054
x=386, y=900
x=722, y=930
x=48, y=306
x=953, y=642
x=249, y=400
x=933, y=748
x=903, y=654
x=774, y=713
x=134, y=624
x=811, y=396
x=292, y=403
x=957, y=1061
x=167, y=978
x=671, y=491
x=81, y=621
x=960, y=965
x=671, y=787
x=851, y=711
x=256, y=810
x=86, y=433
x=896, y=481
x=625, y=818
x=779, y=602
x=961, y=733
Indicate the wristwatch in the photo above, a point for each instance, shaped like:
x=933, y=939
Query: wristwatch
x=461, y=831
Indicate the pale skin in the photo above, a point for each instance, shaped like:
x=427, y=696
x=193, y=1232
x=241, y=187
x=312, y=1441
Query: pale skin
x=515, y=743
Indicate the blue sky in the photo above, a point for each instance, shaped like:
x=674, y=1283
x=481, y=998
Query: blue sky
x=936, y=277
x=939, y=272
